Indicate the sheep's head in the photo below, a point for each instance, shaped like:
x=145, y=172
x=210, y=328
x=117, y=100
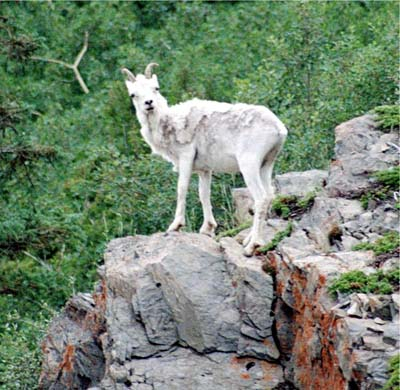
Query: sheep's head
x=144, y=91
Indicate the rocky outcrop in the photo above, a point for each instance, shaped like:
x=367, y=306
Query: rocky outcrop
x=181, y=311
x=343, y=344
x=360, y=150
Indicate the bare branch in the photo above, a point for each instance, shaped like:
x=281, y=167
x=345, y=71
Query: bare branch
x=53, y=61
x=83, y=51
x=73, y=66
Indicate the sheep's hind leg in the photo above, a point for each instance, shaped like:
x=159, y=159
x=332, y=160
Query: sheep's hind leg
x=251, y=173
x=185, y=171
x=209, y=224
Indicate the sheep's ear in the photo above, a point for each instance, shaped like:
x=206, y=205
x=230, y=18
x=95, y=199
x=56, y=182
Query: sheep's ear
x=154, y=77
x=130, y=87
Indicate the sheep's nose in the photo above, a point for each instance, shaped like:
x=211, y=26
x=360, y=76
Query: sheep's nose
x=149, y=102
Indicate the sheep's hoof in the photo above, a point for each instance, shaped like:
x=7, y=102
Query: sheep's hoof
x=250, y=248
x=176, y=226
x=208, y=228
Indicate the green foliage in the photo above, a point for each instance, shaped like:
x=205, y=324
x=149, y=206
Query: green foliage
x=387, y=182
x=357, y=281
x=20, y=353
x=386, y=244
x=74, y=170
x=388, y=117
x=234, y=231
x=389, y=178
x=394, y=369
x=277, y=239
x=286, y=206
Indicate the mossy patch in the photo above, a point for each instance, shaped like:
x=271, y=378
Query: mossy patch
x=234, y=231
x=387, y=244
x=357, y=281
x=277, y=239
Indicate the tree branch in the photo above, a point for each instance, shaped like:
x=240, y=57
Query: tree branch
x=73, y=66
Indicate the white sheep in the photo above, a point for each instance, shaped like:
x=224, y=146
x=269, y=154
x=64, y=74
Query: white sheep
x=202, y=136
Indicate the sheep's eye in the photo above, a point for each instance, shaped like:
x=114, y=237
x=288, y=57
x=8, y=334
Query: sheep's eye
x=157, y=88
x=132, y=95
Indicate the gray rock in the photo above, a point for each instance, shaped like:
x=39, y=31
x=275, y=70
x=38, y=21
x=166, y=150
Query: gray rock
x=243, y=204
x=300, y=183
x=179, y=292
x=360, y=150
x=184, y=369
x=180, y=289
x=270, y=229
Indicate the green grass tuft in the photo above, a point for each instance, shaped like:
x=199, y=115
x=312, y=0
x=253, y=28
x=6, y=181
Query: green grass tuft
x=357, y=281
x=232, y=232
x=388, y=117
x=277, y=239
x=388, y=243
x=394, y=368
x=286, y=206
x=389, y=178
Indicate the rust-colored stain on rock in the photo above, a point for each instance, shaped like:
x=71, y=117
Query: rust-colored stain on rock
x=67, y=363
x=317, y=365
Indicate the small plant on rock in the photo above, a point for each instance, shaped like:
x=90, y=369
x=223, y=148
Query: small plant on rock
x=388, y=117
x=286, y=206
x=394, y=369
x=232, y=232
x=387, y=244
x=277, y=239
x=357, y=281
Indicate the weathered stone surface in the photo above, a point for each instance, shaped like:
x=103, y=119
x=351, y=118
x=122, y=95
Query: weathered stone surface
x=184, y=369
x=168, y=292
x=360, y=150
x=300, y=183
x=73, y=358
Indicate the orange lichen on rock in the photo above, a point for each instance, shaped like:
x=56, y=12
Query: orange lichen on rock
x=67, y=363
x=100, y=298
x=317, y=364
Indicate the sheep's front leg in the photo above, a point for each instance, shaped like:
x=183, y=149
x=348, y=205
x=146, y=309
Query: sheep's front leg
x=185, y=171
x=209, y=224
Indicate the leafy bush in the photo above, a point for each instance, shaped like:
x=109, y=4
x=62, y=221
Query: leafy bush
x=20, y=353
x=234, y=231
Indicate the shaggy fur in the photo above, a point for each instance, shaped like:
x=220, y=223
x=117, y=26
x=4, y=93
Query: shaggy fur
x=203, y=136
